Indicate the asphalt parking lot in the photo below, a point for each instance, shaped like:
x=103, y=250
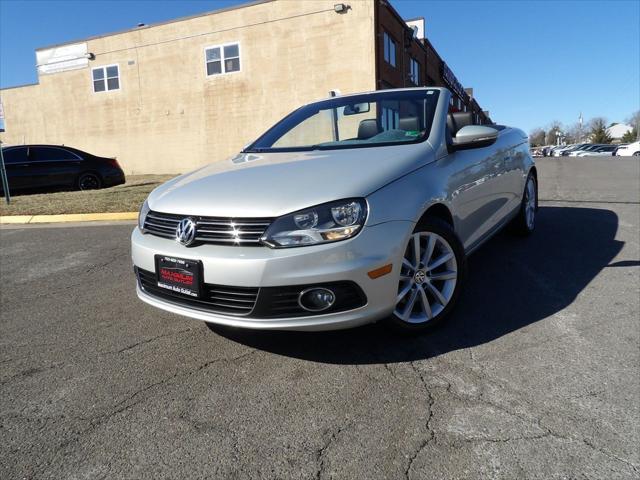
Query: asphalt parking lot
x=537, y=375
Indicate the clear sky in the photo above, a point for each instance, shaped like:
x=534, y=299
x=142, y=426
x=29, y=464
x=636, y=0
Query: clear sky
x=530, y=62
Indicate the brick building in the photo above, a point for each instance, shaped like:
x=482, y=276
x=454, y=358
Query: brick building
x=170, y=97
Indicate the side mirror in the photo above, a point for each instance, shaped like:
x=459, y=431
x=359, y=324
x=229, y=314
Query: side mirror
x=474, y=136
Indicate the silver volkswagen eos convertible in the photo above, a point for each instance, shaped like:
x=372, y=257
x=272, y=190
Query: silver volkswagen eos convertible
x=350, y=210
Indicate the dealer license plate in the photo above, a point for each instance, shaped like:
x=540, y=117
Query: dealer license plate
x=179, y=275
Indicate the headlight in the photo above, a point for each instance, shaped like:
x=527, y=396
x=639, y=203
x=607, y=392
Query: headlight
x=143, y=215
x=329, y=222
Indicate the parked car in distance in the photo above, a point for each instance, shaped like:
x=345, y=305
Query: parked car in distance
x=618, y=147
x=631, y=150
x=553, y=150
x=557, y=152
x=52, y=166
x=573, y=148
x=350, y=210
x=586, y=148
x=601, y=150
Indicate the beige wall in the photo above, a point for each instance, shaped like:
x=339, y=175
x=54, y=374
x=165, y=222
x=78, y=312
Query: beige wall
x=168, y=116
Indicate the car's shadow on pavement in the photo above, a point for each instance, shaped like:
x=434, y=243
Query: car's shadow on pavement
x=512, y=282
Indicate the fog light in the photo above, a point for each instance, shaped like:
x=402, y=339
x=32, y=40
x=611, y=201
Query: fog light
x=316, y=299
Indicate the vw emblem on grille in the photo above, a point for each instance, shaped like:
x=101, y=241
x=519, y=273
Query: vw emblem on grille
x=186, y=231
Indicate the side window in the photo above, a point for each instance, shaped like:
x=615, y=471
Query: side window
x=414, y=71
x=15, y=155
x=106, y=78
x=222, y=59
x=389, y=49
x=47, y=154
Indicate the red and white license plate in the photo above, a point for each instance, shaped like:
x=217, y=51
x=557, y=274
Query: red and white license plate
x=179, y=275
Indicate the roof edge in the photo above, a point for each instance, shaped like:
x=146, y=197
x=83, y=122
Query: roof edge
x=175, y=20
x=19, y=86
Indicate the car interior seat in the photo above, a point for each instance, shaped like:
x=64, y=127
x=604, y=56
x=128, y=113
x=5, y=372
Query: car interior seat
x=368, y=128
x=409, y=124
x=457, y=120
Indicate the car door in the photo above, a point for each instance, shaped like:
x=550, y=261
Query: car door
x=53, y=166
x=17, y=167
x=479, y=191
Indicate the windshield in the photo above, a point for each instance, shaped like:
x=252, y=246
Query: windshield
x=375, y=119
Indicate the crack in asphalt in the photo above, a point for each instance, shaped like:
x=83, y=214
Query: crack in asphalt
x=148, y=340
x=545, y=431
x=126, y=404
x=320, y=452
x=431, y=434
x=29, y=373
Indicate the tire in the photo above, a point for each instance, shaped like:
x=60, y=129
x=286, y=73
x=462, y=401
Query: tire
x=525, y=222
x=89, y=181
x=417, y=283
x=636, y=154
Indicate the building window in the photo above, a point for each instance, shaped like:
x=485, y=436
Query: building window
x=390, y=118
x=222, y=59
x=389, y=50
x=414, y=71
x=106, y=78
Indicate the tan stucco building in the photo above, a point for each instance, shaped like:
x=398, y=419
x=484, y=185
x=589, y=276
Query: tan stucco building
x=170, y=97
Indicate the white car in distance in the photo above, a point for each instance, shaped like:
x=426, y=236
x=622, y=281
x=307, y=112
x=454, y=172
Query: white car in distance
x=631, y=150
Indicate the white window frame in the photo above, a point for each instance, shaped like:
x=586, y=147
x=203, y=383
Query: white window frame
x=106, y=86
x=222, y=59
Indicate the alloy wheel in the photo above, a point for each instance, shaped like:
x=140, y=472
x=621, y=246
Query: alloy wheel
x=428, y=278
x=89, y=181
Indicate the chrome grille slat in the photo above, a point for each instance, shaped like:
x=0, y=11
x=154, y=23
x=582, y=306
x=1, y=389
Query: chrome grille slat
x=211, y=230
x=227, y=240
x=230, y=232
x=225, y=299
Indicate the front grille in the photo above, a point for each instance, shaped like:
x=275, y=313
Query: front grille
x=215, y=298
x=212, y=230
x=255, y=302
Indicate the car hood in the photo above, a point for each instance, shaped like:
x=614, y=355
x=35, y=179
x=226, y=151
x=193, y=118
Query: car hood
x=273, y=184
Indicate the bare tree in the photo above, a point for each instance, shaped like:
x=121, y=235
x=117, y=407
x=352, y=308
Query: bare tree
x=554, y=130
x=536, y=137
x=633, y=135
x=576, y=133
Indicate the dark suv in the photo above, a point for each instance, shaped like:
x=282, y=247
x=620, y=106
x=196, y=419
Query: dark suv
x=49, y=166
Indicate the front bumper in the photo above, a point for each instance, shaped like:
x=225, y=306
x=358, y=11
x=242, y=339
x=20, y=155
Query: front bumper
x=349, y=260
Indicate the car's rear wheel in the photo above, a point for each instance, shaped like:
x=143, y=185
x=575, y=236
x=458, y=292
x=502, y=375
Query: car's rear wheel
x=89, y=181
x=431, y=277
x=636, y=154
x=525, y=221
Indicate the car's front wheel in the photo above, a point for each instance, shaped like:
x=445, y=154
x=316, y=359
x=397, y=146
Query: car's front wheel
x=431, y=277
x=525, y=222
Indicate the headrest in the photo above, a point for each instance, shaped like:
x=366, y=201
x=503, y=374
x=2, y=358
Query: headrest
x=457, y=120
x=368, y=128
x=409, y=124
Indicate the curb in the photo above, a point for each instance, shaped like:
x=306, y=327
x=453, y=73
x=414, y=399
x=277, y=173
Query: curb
x=71, y=217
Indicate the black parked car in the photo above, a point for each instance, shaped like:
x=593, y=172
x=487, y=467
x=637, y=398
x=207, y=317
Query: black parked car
x=42, y=166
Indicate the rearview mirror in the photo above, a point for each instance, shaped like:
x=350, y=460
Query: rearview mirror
x=474, y=136
x=356, y=108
